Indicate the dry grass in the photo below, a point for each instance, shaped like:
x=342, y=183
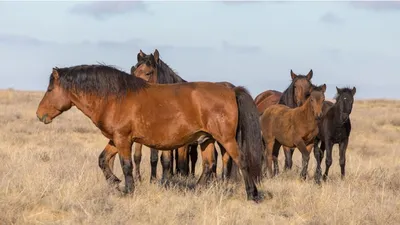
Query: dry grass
x=49, y=175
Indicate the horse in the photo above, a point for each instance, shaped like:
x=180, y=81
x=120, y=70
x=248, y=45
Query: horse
x=292, y=127
x=334, y=128
x=293, y=96
x=128, y=109
x=153, y=69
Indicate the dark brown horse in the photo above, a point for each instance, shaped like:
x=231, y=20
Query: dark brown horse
x=292, y=127
x=334, y=128
x=128, y=109
x=294, y=96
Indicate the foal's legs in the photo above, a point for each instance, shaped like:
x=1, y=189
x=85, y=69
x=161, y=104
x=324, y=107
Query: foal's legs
x=342, y=155
x=275, y=154
x=105, y=159
x=328, y=160
x=208, y=158
x=288, y=157
x=269, y=146
x=305, y=152
x=317, y=154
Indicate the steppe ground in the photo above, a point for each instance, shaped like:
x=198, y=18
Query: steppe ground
x=49, y=175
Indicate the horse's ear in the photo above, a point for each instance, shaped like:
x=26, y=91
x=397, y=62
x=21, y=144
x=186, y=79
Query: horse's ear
x=293, y=75
x=309, y=75
x=140, y=55
x=353, y=91
x=323, y=87
x=338, y=90
x=156, y=56
x=55, y=73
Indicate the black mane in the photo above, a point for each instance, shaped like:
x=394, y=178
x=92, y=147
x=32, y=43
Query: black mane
x=101, y=80
x=287, y=97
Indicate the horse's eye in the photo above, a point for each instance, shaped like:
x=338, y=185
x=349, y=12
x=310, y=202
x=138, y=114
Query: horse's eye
x=149, y=73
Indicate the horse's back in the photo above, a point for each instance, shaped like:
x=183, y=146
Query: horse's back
x=266, y=99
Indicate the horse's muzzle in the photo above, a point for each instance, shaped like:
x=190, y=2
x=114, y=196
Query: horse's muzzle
x=45, y=118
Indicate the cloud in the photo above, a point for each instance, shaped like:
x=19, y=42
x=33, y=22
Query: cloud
x=241, y=49
x=240, y=2
x=332, y=18
x=377, y=5
x=14, y=39
x=104, y=10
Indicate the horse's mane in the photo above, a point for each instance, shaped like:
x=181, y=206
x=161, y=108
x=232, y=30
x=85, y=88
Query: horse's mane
x=343, y=90
x=101, y=80
x=166, y=75
x=287, y=97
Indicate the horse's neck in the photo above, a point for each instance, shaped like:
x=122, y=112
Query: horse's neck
x=89, y=107
x=307, y=113
x=335, y=110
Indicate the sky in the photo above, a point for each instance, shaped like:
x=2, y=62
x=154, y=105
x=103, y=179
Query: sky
x=252, y=44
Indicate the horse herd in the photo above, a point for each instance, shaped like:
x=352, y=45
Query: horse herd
x=153, y=106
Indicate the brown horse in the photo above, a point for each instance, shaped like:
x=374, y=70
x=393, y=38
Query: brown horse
x=298, y=127
x=153, y=69
x=128, y=109
x=294, y=96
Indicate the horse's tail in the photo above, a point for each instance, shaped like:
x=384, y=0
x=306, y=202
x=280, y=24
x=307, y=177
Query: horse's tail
x=248, y=134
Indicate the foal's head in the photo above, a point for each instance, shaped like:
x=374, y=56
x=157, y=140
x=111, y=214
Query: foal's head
x=344, y=100
x=317, y=98
x=146, y=67
x=302, y=86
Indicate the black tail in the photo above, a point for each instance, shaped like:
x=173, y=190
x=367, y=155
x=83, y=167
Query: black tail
x=248, y=133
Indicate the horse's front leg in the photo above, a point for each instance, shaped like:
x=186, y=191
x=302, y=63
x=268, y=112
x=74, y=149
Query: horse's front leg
x=305, y=152
x=106, y=159
x=328, y=160
x=342, y=155
x=317, y=154
x=166, y=158
x=124, y=146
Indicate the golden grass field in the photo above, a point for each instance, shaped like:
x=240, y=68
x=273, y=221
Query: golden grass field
x=49, y=175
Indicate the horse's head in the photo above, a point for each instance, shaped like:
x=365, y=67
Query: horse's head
x=317, y=98
x=146, y=67
x=55, y=101
x=302, y=86
x=345, y=99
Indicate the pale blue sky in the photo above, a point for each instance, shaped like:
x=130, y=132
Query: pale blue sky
x=249, y=44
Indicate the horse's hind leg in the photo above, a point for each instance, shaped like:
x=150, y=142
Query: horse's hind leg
x=137, y=158
x=269, y=146
x=288, y=157
x=342, y=155
x=226, y=163
x=275, y=154
x=106, y=156
x=153, y=163
x=208, y=158
x=233, y=150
